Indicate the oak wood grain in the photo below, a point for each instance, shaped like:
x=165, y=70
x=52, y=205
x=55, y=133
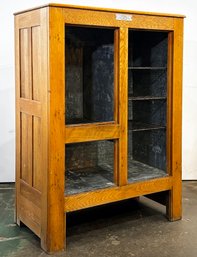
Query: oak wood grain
x=36, y=153
x=26, y=148
x=94, y=198
x=25, y=63
x=56, y=109
x=32, y=194
x=44, y=82
x=30, y=214
x=28, y=20
x=102, y=18
x=30, y=107
x=74, y=134
x=174, y=210
x=123, y=106
x=36, y=63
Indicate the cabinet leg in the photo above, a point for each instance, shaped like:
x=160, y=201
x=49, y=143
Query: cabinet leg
x=19, y=222
x=53, y=238
x=53, y=246
x=174, y=204
x=17, y=219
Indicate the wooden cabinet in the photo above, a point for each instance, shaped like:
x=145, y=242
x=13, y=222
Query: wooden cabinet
x=98, y=112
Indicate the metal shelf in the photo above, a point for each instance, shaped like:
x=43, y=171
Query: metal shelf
x=142, y=98
x=140, y=126
x=146, y=68
x=95, y=178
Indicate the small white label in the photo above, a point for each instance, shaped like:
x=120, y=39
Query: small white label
x=123, y=17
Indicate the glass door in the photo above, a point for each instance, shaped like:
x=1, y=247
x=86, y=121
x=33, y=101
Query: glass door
x=89, y=100
x=89, y=75
x=147, y=104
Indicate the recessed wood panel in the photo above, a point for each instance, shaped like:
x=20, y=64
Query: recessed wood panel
x=25, y=63
x=30, y=193
x=37, y=157
x=30, y=214
x=36, y=63
x=26, y=148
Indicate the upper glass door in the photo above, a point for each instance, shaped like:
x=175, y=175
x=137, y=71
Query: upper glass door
x=147, y=106
x=89, y=57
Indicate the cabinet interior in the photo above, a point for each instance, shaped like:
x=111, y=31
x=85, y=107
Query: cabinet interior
x=147, y=104
x=89, y=74
x=90, y=98
x=89, y=166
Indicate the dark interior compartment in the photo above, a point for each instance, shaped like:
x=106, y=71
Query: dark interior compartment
x=148, y=49
x=89, y=166
x=89, y=74
x=147, y=83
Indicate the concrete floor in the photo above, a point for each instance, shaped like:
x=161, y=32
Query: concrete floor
x=128, y=229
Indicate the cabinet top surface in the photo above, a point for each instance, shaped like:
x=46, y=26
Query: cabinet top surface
x=101, y=9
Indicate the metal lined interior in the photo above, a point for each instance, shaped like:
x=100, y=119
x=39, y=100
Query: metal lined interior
x=147, y=80
x=89, y=74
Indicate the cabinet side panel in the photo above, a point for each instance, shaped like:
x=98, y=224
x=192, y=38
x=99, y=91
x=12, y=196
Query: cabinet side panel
x=31, y=115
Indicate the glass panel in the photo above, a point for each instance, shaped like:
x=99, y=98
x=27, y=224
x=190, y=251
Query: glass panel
x=89, y=74
x=89, y=166
x=147, y=106
x=148, y=49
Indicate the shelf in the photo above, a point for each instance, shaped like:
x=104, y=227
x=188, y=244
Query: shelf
x=88, y=179
x=95, y=178
x=139, y=171
x=140, y=126
x=146, y=68
x=142, y=98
